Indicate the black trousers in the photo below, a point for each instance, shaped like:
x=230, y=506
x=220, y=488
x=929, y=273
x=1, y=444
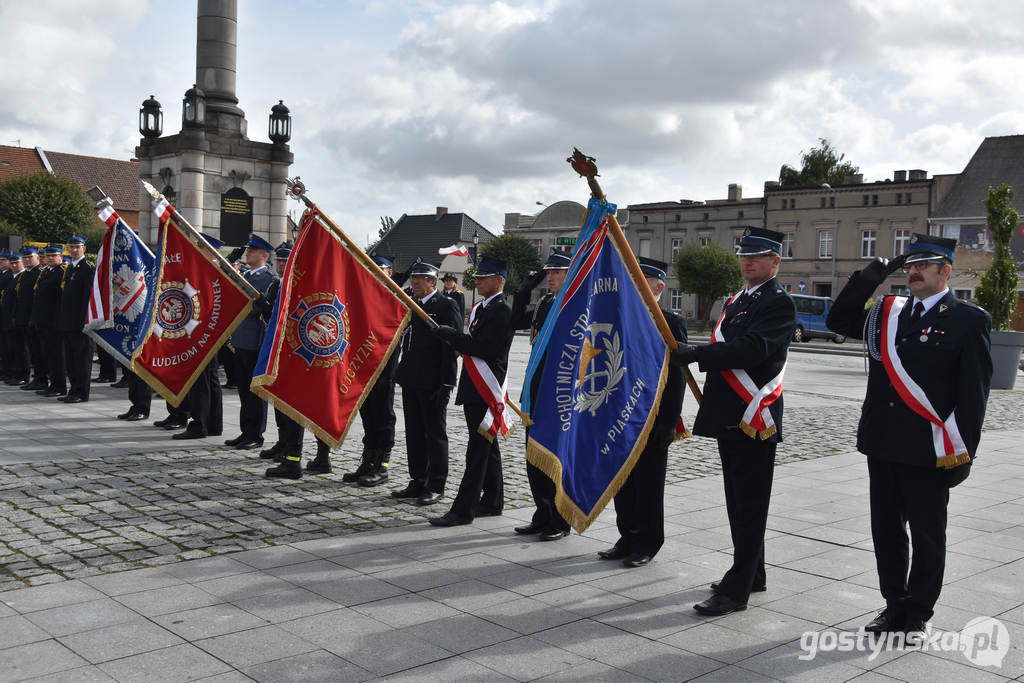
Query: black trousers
x=640, y=503
x=53, y=343
x=426, y=439
x=482, y=483
x=378, y=414
x=107, y=363
x=289, y=432
x=226, y=357
x=140, y=394
x=78, y=360
x=252, y=415
x=17, y=353
x=37, y=356
x=205, y=402
x=747, y=470
x=901, y=496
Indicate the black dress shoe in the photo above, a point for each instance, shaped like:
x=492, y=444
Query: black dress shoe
x=887, y=621
x=235, y=441
x=756, y=588
x=530, y=528
x=613, y=553
x=54, y=392
x=637, y=560
x=250, y=442
x=135, y=417
x=409, y=491
x=449, y=520
x=17, y=382
x=553, y=534
x=174, y=424
x=429, y=498
x=72, y=399
x=125, y=416
x=915, y=627
x=182, y=436
x=97, y=380
x=719, y=604
x=120, y=384
x=32, y=386
x=484, y=511
x=272, y=452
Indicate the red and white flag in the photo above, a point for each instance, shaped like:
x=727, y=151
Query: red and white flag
x=454, y=250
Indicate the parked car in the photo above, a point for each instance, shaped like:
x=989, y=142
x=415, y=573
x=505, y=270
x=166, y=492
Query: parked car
x=811, y=312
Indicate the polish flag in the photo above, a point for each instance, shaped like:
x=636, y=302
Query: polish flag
x=454, y=250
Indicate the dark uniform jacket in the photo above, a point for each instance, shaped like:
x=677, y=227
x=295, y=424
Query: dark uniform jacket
x=489, y=338
x=249, y=333
x=8, y=299
x=460, y=301
x=74, y=298
x=47, y=300
x=26, y=289
x=951, y=363
x=671, y=406
x=428, y=362
x=757, y=331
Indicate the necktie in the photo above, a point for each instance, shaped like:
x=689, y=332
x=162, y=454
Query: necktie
x=918, y=312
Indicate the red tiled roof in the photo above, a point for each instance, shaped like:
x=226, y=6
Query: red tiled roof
x=15, y=160
x=119, y=179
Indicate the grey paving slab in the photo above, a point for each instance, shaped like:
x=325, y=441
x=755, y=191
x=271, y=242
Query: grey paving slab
x=528, y=615
x=286, y=605
x=18, y=630
x=255, y=646
x=921, y=666
x=723, y=644
x=44, y=597
x=84, y=616
x=207, y=622
x=311, y=666
x=37, y=659
x=451, y=669
x=408, y=610
x=159, y=601
x=120, y=640
x=655, y=661
x=184, y=662
x=591, y=671
x=525, y=658
x=83, y=674
x=132, y=581
x=461, y=633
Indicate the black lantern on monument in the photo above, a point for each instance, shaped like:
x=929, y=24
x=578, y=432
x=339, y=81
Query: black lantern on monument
x=193, y=108
x=151, y=119
x=280, y=128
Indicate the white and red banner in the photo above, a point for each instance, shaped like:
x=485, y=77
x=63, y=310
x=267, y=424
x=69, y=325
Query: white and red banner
x=454, y=250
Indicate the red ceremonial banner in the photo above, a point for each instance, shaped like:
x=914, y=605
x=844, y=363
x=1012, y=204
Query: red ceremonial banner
x=333, y=330
x=196, y=309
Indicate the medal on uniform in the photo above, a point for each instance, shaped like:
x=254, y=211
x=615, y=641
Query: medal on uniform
x=924, y=337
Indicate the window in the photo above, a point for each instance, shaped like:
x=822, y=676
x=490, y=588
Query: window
x=740, y=215
x=910, y=197
x=675, y=300
x=644, y=219
x=678, y=218
x=867, y=243
x=704, y=239
x=899, y=198
x=707, y=216
x=962, y=294
x=787, y=244
x=792, y=203
x=900, y=242
x=898, y=289
x=865, y=202
x=874, y=200
x=832, y=202
x=677, y=242
x=823, y=200
x=824, y=244
x=788, y=286
x=809, y=306
x=785, y=203
x=645, y=247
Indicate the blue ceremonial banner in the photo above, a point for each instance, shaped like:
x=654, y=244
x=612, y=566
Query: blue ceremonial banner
x=123, y=290
x=604, y=368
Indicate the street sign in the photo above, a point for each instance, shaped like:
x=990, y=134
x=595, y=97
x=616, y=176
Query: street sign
x=802, y=286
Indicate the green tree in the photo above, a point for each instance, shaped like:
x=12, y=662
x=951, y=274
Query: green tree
x=46, y=208
x=708, y=271
x=520, y=255
x=997, y=292
x=820, y=165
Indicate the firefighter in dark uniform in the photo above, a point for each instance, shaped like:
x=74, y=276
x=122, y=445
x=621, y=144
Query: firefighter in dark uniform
x=640, y=503
x=246, y=340
x=378, y=413
x=5, y=277
x=17, y=353
x=74, y=303
x=427, y=374
x=45, y=310
x=489, y=338
x=546, y=521
x=452, y=291
x=942, y=347
x=750, y=345
x=23, y=318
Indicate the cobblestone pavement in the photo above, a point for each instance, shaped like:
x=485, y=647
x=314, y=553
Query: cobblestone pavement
x=72, y=518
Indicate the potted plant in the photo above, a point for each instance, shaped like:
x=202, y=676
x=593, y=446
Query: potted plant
x=997, y=292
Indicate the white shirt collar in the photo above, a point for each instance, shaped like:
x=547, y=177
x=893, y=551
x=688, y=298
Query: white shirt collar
x=753, y=289
x=75, y=262
x=483, y=304
x=932, y=300
x=427, y=297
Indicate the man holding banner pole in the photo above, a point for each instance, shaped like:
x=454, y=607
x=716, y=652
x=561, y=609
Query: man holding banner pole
x=742, y=408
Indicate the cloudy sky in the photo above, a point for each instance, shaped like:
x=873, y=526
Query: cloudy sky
x=403, y=105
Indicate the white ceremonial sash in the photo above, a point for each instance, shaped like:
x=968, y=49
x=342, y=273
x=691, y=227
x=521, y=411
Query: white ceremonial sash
x=493, y=393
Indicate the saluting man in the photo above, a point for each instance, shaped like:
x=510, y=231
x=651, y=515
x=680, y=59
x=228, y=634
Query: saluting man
x=489, y=338
x=246, y=340
x=546, y=521
x=74, y=303
x=742, y=408
x=928, y=384
x=427, y=373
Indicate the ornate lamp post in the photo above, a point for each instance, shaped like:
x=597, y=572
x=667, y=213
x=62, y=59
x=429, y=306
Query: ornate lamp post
x=151, y=119
x=279, y=129
x=193, y=108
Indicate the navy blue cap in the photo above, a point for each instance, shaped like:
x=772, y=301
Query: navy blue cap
x=450, y=276
x=283, y=250
x=14, y=256
x=257, y=242
x=422, y=268
x=76, y=239
x=756, y=241
x=214, y=242
x=4, y=255
x=383, y=261
x=930, y=248
x=53, y=249
x=25, y=251
x=557, y=261
x=653, y=267
x=489, y=265
x=66, y=259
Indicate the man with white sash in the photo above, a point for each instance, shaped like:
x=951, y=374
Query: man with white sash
x=742, y=408
x=930, y=371
x=482, y=394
